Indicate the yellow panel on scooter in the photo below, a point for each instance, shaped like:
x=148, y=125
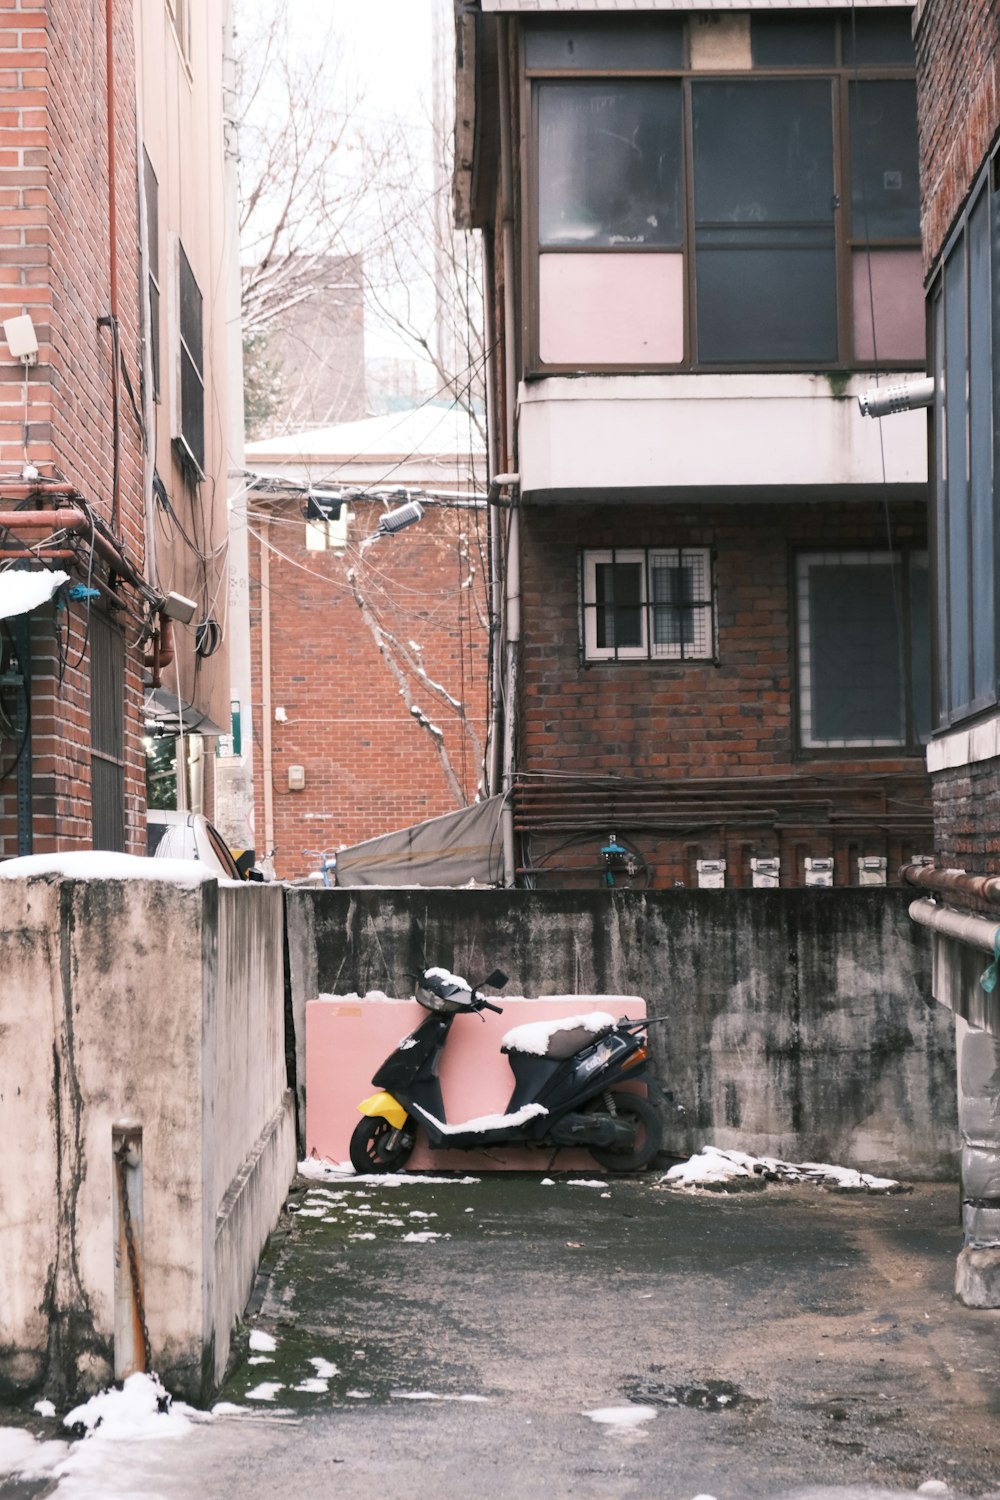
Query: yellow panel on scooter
x=385, y=1105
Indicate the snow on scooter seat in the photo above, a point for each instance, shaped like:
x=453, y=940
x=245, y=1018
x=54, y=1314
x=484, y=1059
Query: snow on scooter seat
x=536, y=1037
x=485, y=1123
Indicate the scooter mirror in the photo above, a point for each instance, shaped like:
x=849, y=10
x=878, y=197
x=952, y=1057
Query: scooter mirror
x=496, y=980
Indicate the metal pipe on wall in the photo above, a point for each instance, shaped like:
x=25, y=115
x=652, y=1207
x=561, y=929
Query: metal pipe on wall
x=265, y=686
x=512, y=588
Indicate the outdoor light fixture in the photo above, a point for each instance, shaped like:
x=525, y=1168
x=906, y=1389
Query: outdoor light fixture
x=888, y=400
x=396, y=520
x=324, y=505
x=22, y=341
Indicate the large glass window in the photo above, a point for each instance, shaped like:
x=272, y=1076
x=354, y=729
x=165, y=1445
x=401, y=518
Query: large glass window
x=190, y=434
x=795, y=241
x=966, y=326
x=863, y=650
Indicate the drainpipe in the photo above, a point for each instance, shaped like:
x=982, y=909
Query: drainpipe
x=265, y=687
x=146, y=317
x=512, y=599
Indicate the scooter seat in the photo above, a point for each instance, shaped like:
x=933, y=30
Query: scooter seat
x=558, y=1039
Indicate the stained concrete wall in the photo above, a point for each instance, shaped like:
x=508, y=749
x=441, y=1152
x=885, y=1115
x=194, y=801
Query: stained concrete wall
x=799, y=1023
x=162, y=1003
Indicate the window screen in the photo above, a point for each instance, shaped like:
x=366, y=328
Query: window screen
x=885, y=191
x=151, y=193
x=648, y=603
x=863, y=650
x=107, y=733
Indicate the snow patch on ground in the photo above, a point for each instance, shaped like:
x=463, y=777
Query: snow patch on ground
x=262, y=1343
x=266, y=1391
x=622, y=1416
x=594, y=1182
x=423, y=1237
x=327, y=1171
x=713, y=1167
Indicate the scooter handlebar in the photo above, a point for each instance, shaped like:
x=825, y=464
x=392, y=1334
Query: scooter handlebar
x=497, y=1009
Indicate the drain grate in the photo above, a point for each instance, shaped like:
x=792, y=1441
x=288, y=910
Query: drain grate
x=699, y=1395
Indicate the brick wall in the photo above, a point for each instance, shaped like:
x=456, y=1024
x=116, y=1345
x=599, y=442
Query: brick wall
x=367, y=649
x=958, y=62
x=664, y=725
x=57, y=221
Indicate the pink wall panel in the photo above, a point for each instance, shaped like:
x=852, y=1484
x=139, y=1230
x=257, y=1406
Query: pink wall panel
x=611, y=309
x=347, y=1040
x=895, y=286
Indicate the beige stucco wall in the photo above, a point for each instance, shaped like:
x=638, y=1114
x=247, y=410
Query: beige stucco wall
x=164, y=1004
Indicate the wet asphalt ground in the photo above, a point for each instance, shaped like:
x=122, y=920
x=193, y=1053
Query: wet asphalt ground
x=450, y=1338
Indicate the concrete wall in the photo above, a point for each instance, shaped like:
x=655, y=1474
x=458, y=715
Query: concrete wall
x=800, y=1023
x=164, y=1004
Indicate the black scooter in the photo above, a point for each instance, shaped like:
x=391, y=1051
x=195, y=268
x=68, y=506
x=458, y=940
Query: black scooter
x=565, y=1087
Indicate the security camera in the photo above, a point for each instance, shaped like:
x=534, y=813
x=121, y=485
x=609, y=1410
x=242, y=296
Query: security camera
x=886, y=400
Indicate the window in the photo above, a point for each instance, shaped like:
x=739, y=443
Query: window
x=151, y=193
x=715, y=215
x=107, y=733
x=863, y=650
x=649, y=604
x=965, y=322
x=189, y=409
x=180, y=16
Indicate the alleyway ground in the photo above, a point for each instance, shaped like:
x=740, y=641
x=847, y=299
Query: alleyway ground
x=845, y=1365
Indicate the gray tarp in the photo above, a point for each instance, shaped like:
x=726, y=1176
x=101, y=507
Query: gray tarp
x=453, y=850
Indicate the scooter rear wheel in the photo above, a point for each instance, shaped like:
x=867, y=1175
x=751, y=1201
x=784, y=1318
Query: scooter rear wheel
x=377, y=1146
x=637, y=1111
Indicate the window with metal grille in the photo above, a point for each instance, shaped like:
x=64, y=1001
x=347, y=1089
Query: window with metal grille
x=863, y=650
x=107, y=733
x=647, y=603
x=151, y=192
x=189, y=435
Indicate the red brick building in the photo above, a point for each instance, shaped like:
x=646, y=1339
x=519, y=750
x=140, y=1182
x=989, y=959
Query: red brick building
x=702, y=239
x=104, y=465
x=369, y=658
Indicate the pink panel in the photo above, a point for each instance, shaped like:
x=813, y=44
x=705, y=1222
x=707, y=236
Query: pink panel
x=611, y=309
x=347, y=1040
x=896, y=289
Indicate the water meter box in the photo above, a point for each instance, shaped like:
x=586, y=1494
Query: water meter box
x=871, y=869
x=711, y=874
x=819, y=871
x=766, y=872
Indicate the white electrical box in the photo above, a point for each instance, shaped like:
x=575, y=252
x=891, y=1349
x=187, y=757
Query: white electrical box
x=296, y=778
x=871, y=869
x=920, y=860
x=711, y=874
x=766, y=872
x=819, y=871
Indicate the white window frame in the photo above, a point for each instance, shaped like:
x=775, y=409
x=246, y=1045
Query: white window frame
x=179, y=12
x=645, y=558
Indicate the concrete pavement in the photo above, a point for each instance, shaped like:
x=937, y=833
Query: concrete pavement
x=451, y=1337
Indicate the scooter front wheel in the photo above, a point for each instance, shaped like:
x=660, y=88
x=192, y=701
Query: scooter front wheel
x=377, y=1146
x=637, y=1111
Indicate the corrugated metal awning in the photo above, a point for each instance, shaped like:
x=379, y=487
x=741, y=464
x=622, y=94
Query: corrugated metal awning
x=166, y=714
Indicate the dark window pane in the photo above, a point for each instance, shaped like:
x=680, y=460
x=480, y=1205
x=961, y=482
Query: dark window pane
x=151, y=191
x=618, y=590
x=190, y=300
x=673, y=595
x=766, y=296
x=192, y=410
x=981, y=454
x=885, y=39
x=957, y=501
x=854, y=654
x=765, y=263
x=792, y=41
x=943, y=696
x=606, y=42
x=609, y=163
x=154, y=335
x=885, y=190
x=763, y=151
x=920, y=649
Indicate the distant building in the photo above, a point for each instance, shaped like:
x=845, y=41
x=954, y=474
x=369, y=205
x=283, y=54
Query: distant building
x=702, y=231
x=370, y=658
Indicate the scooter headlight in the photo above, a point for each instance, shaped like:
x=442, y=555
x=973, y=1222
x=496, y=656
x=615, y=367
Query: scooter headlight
x=442, y=997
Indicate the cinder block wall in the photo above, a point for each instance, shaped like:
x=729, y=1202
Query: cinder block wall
x=798, y=1023
x=164, y=1005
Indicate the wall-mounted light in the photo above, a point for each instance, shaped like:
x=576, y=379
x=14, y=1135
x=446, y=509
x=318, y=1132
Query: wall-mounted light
x=887, y=400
